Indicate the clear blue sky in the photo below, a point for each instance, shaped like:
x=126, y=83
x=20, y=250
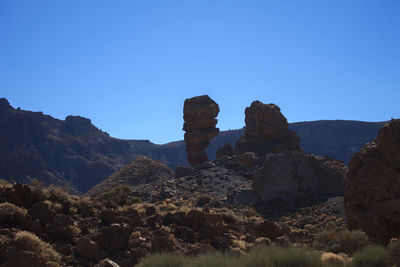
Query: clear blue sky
x=129, y=65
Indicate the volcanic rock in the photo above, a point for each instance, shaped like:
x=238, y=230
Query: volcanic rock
x=266, y=131
x=199, y=114
x=88, y=248
x=141, y=170
x=291, y=174
x=225, y=150
x=372, y=198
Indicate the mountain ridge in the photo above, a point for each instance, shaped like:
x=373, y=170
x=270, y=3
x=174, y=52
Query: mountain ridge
x=75, y=153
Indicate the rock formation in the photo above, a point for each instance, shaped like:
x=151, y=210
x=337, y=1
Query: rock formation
x=139, y=171
x=372, y=197
x=225, y=150
x=199, y=114
x=266, y=131
x=294, y=174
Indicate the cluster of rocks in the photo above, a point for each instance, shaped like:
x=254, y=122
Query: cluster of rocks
x=85, y=233
x=269, y=154
x=372, y=198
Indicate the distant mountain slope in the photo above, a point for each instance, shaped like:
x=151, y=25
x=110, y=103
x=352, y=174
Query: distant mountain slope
x=72, y=152
x=75, y=153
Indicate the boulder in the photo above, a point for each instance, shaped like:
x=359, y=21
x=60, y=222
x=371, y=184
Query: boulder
x=225, y=150
x=87, y=248
x=266, y=131
x=291, y=174
x=43, y=211
x=114, y=237
x=372, y=197
x=199, y=114
x=63, y=228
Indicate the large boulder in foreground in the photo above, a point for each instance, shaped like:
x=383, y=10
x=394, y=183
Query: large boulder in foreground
x=372, y=198
x=199, y=114
x=292, y=174
x=266, y=131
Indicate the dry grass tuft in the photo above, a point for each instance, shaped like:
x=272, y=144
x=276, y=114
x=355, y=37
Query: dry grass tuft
x=44, y=253
x=9, y=213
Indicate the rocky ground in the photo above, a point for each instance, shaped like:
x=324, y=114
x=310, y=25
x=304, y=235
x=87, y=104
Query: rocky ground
x=83, y=231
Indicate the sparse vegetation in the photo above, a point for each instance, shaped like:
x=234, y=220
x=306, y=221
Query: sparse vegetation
x=203, y=200
x=341, y=241
x=117, y=196
x=44, y=253
x=265, y=256
x=394, y=253
x=9, y=213
x=371, y=256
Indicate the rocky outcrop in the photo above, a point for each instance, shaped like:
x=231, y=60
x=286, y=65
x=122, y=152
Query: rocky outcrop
x=266, y=131
x=225, y=150
x=294, y=174
x=142, y=170
x=199, y=114
x=372, y=198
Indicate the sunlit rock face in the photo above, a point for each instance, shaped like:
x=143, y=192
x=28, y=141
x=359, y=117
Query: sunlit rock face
x=199, y=114
x=266, y=131
x=372, y=197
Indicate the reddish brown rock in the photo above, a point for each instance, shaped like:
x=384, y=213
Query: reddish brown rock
x=199, y=114
x=372, y=197
x=88, y=248
x=266, y=131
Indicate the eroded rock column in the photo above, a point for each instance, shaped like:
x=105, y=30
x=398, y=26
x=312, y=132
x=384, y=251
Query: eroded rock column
x=199, y=114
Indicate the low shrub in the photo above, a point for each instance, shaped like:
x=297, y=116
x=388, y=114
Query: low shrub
x=344, y=241
x=203, y=200
x=265, y=256
x=117, y=196
x=9, y=213
x=371, y=256
x=44, y=253
x=250, y=213
x=394, y=253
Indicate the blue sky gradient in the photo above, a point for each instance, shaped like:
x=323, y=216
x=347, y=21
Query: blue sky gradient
x=129, y=65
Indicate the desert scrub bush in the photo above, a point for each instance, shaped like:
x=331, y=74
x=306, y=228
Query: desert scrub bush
x=118, y=195
x=203, y=200
x=279, y=256
x=341, y=241
x=4, y=182
x=371, y=256
x=250, y=213
x=44, y=253
x=9, y=213
x=394, y=253
x=265, y=256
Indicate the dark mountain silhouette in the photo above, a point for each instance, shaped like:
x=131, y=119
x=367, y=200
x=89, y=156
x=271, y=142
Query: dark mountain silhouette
x=75, y=153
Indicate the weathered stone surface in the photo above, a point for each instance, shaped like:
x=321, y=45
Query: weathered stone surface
x=266, y=131
x=372, y=198
x=293, y=173
x=199, y=114
x=225, y=150
x=87, y=248
x=114, y=237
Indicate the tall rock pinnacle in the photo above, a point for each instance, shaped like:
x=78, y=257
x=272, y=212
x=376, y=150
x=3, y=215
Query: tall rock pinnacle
x=199, y=115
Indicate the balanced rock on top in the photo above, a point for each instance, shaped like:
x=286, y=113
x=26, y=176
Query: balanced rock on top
x=266, y=131
x=199, y=114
